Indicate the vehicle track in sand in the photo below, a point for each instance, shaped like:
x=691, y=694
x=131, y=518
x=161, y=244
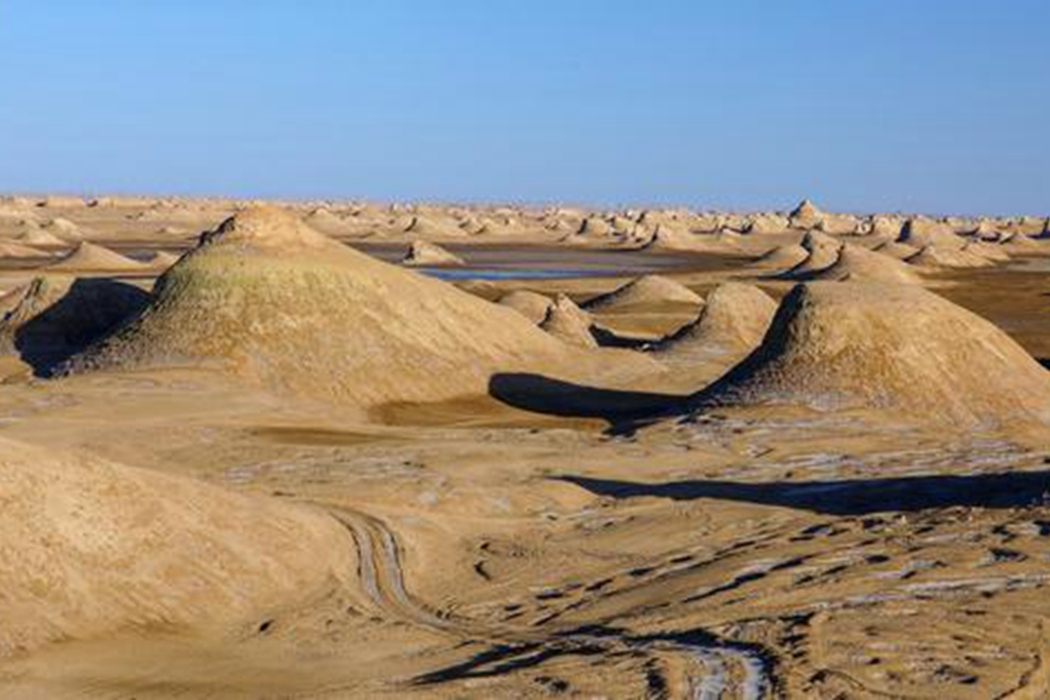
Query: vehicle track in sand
x=715, y=668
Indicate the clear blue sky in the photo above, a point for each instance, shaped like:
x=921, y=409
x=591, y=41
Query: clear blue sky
x=917, y=105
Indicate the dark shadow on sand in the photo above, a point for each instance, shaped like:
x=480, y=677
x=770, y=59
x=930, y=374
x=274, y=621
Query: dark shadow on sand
x=539, y=394
x=90, y=310
x=847, y=497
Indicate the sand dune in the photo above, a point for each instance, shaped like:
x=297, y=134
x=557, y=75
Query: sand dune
x=531, y=305
x=858, y=264
x=88, y=257
x=570, y=324
x=92, y=547
x=889, y=347
x=424, y=253
x=734, y=320
x=822, y=252
x=648, y=290
x=277, y=303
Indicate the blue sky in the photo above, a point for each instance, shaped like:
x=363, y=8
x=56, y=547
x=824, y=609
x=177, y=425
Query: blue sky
x=937, y=106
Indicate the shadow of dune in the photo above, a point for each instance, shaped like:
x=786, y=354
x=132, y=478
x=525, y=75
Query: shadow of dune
x=847, y=497
x=88, y=311
x=539, y=394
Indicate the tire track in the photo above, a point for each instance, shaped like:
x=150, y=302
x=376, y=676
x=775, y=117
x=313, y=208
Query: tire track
x=722, y=670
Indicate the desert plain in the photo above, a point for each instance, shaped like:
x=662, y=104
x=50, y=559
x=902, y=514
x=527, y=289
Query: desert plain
x=350, y=450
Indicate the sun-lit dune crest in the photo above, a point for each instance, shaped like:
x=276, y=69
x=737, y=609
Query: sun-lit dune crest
x=892, y=347
x=858, y=264
x=822, y=252
x=92, y=547
x=569, y=323
x=532, y=305
x=733, y=322
x=937, y=256
x=768, y=224
x=783, y=257
x=989, y=251
x=922, y=232
x=32, y=234
x=89, y=257
x=806, y=216
x=272, y=301
x=16, y=250
x=425, y=253
x=895, y=249
x=643, y=291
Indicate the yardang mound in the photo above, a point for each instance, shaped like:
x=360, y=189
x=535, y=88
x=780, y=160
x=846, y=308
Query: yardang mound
x=896, y=347
x=425, y=254
x=91, y=547
x=733, y=322
x=644, y=291
x=858, y=264
x=88, y=257
x=276, y=303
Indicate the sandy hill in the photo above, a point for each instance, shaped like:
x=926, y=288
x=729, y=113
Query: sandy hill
x=424, y=254
x=989, y=251
x=896, y=347
x=859, y=264
x=17, y=250
x=88, y=257
x=822, y=252
x=162, y=260
x=922, y=232
x=734, y=319
x=55, y=316
x=782, y=257
x=276, y=303
x=65, y=229
x=766, y=224
x=37, y=237
x=894, y=249
x=569, y=323
x=806, y=215
x=934, y=256
x=531, y=305
x=886, y=227
x=644, y=291
x=92, y=547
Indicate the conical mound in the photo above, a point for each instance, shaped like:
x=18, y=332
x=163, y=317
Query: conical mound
x=989, y=251
x=426, y=254
x=39, y=238
x=57, y=316
x=894, y=249
x=19, y=251
x=570, y=324
x=273, y=302
x=733, y=322
x=644, y=291
x=921, y=233
x=531, y=305
x=856, y=264
x=895, y=347
x=806, y=215
x=934, y=256
x=88, y=257
x=92, y=547
x=823, y=251
x=782, y=257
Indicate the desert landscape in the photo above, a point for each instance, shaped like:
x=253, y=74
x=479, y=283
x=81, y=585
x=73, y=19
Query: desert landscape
x=472, y=350
x=338, y=449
